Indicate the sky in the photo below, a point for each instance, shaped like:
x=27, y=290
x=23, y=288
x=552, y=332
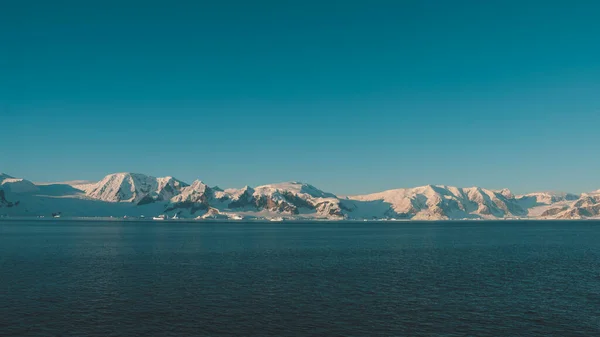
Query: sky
x=350, y=96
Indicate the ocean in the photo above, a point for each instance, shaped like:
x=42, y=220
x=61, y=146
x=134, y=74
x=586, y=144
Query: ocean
x=492, y=278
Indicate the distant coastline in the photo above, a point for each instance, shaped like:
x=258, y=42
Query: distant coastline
x=134, y=195
x=286, y=221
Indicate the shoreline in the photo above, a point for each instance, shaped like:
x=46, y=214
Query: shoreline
x=231, y=221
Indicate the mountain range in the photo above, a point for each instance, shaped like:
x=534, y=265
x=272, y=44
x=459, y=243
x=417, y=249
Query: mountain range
x=138, y=195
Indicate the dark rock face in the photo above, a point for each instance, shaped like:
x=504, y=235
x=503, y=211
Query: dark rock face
x=120, y=194
x=195, y=202
x=244, y=200
x=297, y=201
x=328, y=208
x=554, y=211
x=593, y=210
x=585, y=206
x=203, y=198
x=169, y=189
x=570, y=196
x=290, y=203
x=264, y=202
x=587, y=201
x=4, y=202
x=574, y=212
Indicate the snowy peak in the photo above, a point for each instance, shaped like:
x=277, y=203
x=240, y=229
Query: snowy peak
x=295, y=188
x=586, y=206
x=284, y=198
x=134, y=193
x=4, y=176
x=133, y=187
x=505, y=192
x=446, y=202
x=293, y=198
x=16, y=185
x=198, y=186
x=193, y=198
x=232, y=198
x=196, y=192
x=544, y=198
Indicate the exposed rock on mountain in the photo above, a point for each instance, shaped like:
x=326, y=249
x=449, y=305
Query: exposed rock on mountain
x=586, y=206
x=134, y=194
x=447, y=202
x=192, y=198
x=242, y=198
x=544, y=198
x=4, y=202
x=133, y=187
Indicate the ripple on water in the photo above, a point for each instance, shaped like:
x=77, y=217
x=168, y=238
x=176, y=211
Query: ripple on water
x=305, y=279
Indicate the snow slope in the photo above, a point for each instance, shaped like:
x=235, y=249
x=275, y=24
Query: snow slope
x=586, y=206
x=134, y=194
x=293, y=199
x=16, y=185
x=132, y=187
x=445, y=202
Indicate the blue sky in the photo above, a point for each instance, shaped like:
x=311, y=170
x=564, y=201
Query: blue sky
x=352, y=97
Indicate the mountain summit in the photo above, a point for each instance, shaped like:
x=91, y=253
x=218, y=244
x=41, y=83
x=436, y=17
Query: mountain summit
x=135, y=194
x=133, y=187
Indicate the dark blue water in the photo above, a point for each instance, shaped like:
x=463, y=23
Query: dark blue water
x=326, y=279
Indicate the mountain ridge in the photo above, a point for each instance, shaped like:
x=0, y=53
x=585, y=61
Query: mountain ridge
x=136, y=194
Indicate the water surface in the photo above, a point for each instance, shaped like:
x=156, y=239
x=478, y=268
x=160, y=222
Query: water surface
x=68, y=278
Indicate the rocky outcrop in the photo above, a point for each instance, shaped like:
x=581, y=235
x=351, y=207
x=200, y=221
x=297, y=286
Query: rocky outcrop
x=553, y=211
x=544, y=198
x=193, y=198
x=241, y=199
x=4, y=202
x=130, y=194
x=447, y=202
x=136, y=188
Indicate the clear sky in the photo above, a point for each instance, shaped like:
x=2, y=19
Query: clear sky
x=351, y=96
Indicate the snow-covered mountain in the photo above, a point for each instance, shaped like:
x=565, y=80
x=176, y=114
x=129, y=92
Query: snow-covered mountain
x=134, y=194
x=11, y=187
x=586, y=206
x=133, y=187
x=544, y=198
x=447, y=202
x=291, y=199
x=16, y=185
